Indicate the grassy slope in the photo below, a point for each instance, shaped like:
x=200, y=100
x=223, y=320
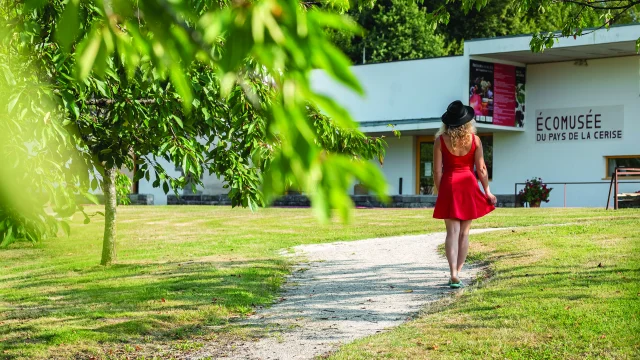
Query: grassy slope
x=181, y=270
x=548, y=298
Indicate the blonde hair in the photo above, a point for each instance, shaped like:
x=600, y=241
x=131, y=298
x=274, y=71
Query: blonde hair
x=459, y=134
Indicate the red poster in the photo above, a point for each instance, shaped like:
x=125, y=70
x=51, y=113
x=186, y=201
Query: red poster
x=504, y=103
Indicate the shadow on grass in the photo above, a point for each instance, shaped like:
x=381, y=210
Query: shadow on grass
x=534, y=283
x=159, y=303
x=153, y=301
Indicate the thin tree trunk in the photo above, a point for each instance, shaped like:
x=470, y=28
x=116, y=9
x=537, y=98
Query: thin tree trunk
x=110, y=203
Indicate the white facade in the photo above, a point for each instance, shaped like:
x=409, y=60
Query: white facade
x=146, y=187
x=401, y=90
x=400, y=163
x=603, y=82
x=595, y=72
x=212, y=185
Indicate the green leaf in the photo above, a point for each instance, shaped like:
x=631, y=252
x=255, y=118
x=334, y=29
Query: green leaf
x=178, y=121
x=274, y=29
x=70, y=103
x=69, y=25
x=101, y=59
x=236, y=51
x=91, y=197
x=8, y=237
x=179, y=80
x=336, y=21
x=165, y=187
x=336, y=112
x=227, y=84
x=74, y=109
x=206, y=114
x=87, y=53
x=186, y=164
x=13, y=101
x=65, y=227
x=257, y=23
x=8, y=75
x=338, y=66
x=34, y=4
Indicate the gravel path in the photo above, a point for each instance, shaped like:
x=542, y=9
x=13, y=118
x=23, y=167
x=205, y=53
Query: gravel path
x=346, y=291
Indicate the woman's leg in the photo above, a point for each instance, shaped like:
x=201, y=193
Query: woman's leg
x=451, y=246
x=463, y=244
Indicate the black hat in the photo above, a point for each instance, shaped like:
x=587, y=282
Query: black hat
x=457, y=114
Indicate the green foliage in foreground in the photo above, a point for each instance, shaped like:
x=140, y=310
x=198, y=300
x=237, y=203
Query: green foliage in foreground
x=567, y=292
x=185, y=272
x=218, y=88
x=222, y=87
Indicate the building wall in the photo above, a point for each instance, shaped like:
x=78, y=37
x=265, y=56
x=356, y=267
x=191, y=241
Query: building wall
x=401, y=90
x=212, y=186
x=605, y=82
x=418, y=89
x=400, y=162
x=146, y=187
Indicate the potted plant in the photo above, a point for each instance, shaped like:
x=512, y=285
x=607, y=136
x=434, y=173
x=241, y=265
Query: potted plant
x=535, y=192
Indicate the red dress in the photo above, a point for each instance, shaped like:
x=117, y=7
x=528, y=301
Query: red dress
x=459, y=196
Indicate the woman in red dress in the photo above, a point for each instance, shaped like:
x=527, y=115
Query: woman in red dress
x=457, y=150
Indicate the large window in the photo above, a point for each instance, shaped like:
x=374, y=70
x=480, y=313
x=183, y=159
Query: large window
x=425, y=180
x=628, y=161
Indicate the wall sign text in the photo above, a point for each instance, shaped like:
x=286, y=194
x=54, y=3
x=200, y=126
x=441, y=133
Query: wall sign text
x=580, y=124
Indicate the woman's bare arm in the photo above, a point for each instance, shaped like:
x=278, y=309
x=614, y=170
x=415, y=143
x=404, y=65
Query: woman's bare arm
x=437, y=163
x=481, y=168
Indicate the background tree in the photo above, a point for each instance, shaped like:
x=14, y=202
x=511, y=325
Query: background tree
x=119, y=60
x=38, y=185
x=553, y=19
x=497, y=18
x=394, y=30
x=456, y=23
x=581, y=14
x=135, y=91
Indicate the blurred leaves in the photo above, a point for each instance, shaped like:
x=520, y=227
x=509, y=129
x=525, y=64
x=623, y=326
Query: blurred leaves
x=211, y=87
x=39, y=176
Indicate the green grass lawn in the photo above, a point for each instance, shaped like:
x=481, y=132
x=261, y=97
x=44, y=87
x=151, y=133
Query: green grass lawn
x=184, y=272
x=569, y=292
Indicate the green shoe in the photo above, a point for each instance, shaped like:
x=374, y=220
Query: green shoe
x=457, y=285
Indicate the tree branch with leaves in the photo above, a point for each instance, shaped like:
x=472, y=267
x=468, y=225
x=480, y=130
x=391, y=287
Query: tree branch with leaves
x=579, y=21
x=610, y=12
x=222, y=88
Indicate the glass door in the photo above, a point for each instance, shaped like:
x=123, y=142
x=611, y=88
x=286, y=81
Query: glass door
x=424, y=166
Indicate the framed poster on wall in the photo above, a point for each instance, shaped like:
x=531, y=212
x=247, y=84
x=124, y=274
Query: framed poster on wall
x=497, y=93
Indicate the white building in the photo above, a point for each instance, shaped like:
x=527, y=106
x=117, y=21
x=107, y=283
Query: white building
x=581, y=112
x=593, y=76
